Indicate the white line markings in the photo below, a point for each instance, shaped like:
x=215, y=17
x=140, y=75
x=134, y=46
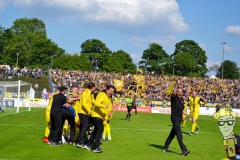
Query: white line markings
x=132, y=129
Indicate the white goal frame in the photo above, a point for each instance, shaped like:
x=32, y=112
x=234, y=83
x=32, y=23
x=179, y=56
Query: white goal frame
x=4, y=85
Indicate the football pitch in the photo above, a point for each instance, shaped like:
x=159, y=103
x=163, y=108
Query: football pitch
x=140, y=139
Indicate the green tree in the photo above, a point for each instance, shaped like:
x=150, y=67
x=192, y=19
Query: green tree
x=154, y=58
x=27, y=37
x=1, y=38
x=213, y=68
x=94, y=46
x=184, y=61
x=73, y=62
x=199, y=57
x=7, y=55
x=97, y=52
x=120, y=61
x=230, y=70
x=85, y=63
x=42, y=52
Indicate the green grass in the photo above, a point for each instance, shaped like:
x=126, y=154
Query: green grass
x=42, y=83
x=140, y=139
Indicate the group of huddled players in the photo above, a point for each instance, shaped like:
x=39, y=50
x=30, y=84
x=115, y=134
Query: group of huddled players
x=82, y=117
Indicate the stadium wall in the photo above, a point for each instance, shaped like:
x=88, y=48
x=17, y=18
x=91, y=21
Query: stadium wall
x=203, y=110
x=42, y=103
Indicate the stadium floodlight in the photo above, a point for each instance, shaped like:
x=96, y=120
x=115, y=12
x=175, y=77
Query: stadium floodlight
x=95, y=61
x=52, y=61
x=223, y=45
x=17, y=59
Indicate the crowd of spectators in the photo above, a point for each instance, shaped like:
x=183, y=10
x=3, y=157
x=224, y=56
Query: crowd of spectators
x=8, y=72
x=214, y=90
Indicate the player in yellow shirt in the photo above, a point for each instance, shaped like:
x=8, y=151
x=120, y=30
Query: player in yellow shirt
x=194, y=103
x=106, y=124
x=184, y=117
x=84, y=111
x=48, y=127
x=74, y=98
x=99, y=114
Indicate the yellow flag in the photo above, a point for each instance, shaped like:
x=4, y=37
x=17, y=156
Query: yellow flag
x=140, y=70
x=139, y=79
x=118, y=84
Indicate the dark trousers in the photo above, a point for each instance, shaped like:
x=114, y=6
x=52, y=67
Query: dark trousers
x=176, y=130
x=129, y=109
x=84, y=123
x=97, y=132
x=135, y=107
x=68, y=115
x=56, y=127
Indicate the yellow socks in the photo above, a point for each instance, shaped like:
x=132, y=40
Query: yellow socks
x=104, y=130
x=47, y=131
x=194, y=125
x=108, y=129
x=183, y=123
x=76, y=133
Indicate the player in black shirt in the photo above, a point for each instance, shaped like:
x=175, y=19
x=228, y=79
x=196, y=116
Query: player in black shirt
x=134, y=105
x=56, y=115
x=177, y=109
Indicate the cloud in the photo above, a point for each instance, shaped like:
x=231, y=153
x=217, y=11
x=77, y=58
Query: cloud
x=177, y=22
x=203, y=46
x=233, y=30
x=211, y=63
x=136, y=58
x=3, y=3
x=138, y=16
x=141, y=42
x=229, y=49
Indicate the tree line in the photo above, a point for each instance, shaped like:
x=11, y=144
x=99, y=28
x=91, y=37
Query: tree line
x=26, y=44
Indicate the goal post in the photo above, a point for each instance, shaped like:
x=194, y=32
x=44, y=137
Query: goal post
x=13, y=91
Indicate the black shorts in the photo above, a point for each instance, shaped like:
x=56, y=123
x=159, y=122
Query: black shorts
x=129, y=108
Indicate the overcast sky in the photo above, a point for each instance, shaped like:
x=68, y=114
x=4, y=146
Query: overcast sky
x=131, y=25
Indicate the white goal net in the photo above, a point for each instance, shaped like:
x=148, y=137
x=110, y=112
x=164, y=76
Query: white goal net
x=11, y=92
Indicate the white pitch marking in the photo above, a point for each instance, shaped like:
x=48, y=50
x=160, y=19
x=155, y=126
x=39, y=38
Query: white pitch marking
x=5, y=114
x=139, y=129
x=133, y=129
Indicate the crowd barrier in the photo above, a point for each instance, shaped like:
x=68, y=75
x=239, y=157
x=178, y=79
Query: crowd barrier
x=42, y=103
x=203, y=110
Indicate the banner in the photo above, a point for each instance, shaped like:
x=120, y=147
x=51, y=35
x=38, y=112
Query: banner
x=203, y=111
x=161, y=110
x=139, y=109
x=207, y=111
x=39, y=103
x=237, y=112
x=157, y=103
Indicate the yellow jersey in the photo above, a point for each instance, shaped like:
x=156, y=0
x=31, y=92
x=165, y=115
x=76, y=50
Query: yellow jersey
x=86, y=101
x=49, y=106
x=100, y=110
x=194, y=103
x=75, y=103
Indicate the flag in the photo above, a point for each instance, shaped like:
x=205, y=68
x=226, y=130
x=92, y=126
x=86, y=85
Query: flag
x=139, y=79
x=118, y=84
x=140, y=70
